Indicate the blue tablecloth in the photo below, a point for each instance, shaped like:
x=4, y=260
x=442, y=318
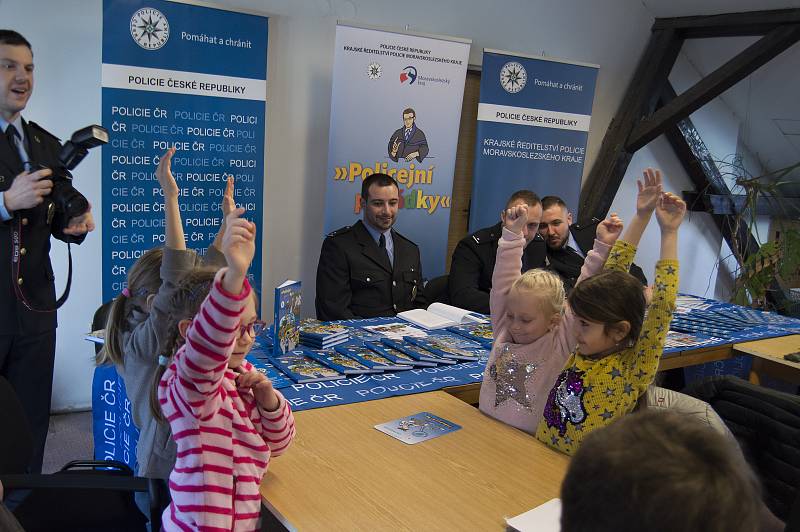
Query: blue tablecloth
x=115, y=435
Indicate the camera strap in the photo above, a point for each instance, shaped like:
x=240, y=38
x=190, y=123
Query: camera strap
x=16, y=262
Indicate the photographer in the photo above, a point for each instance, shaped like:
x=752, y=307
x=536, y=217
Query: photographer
x=32, y=180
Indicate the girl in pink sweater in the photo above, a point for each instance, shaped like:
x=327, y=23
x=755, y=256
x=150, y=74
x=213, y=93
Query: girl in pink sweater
x=532, y=331
x=225, y=416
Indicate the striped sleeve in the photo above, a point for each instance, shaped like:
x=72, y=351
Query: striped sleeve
x=277, y=428
x=200, y=366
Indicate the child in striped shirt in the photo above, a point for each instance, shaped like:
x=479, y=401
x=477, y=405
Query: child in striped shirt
x=225, y=416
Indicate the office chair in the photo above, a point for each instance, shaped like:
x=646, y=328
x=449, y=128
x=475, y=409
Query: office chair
x=91, y=495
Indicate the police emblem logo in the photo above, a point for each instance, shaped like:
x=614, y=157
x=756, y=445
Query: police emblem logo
x=149, y=28
x=513, y=77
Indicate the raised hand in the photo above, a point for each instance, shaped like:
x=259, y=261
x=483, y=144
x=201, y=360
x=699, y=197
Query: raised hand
x=164, y=175
x=609, y=230
x=227, y=199
x=28, y=190
x=239, y=243
x=395, y=146
x=650, y=190
x=516, y=218
x=261, y=387
x=670, y=212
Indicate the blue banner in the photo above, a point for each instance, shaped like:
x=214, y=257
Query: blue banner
x=381, y=80
x=187, y=76
x=533, y=125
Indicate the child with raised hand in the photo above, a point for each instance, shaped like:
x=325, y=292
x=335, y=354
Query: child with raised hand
x=618, y=347
x=135, y=328
x=532, y=334
x=225, y=416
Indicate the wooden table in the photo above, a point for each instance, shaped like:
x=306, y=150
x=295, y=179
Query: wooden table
x=768, y=358
x=343, y=474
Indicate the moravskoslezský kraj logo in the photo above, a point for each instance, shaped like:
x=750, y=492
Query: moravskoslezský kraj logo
x=149, y=28
x=513, y=77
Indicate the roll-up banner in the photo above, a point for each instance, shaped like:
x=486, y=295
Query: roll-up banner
x=173, y=75
x=533, y=125
x=396, y=107
x=189, y=76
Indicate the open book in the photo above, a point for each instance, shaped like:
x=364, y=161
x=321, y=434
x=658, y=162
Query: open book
x=439, y=316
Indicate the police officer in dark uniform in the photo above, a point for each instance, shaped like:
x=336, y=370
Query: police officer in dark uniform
x=368, y=269
x=568, y=243
x=472, y=265
x=29, y=165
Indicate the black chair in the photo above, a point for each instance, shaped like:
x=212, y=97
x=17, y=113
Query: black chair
x=92, y=495
x=436, y=290
x=766, y=423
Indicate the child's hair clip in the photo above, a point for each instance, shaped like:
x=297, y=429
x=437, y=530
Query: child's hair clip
x=163, y=360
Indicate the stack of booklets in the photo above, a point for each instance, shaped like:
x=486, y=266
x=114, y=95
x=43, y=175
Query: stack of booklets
x=318, y=335
x=301, y=368
x=373, y=359
x=481, y=333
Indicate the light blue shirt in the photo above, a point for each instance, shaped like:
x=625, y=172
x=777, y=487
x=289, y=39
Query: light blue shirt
x=574, y=245
x=376, y=235
x=4, y=214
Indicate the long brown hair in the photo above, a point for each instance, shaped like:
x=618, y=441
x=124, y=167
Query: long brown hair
x=144, y=279
x=609, y=298
x=184, y=304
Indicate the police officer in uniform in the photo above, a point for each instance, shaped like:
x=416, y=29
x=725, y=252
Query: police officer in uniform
x=472, y=265
x=568, y=243
x=29, y=165
x=368, y=269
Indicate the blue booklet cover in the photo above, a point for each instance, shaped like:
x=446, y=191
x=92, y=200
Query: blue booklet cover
x=278, y=379
x=416, y=352
x=341, y=363
x=302, y=368
x=288, y=298
x=370, y=358
x=320, y=332
x=396, y=356
x=417, y=428
x=442, y=347
x=481, y=332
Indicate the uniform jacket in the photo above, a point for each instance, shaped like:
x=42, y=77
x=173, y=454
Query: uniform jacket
x=567, y=264
x=35, y=276
x=355, y=279
x=470, y=278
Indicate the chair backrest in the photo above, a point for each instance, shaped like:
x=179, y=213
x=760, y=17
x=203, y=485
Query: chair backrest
x=767, y=425
x=436, y=290
x=99, y=321
x=16, y=444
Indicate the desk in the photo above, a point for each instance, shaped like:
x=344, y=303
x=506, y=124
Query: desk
x=768, y=358
x=343, y=474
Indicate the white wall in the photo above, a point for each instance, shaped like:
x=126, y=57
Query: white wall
x=66, y=36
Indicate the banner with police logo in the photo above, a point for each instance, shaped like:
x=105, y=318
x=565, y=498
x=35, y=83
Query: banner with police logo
x=533, y=125
x=188, y=76
x=396, y=107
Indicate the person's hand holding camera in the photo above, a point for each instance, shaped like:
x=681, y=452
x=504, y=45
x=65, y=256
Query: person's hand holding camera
x=28, y=190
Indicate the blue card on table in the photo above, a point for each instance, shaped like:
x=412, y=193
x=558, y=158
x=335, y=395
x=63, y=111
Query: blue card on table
x=418, y=427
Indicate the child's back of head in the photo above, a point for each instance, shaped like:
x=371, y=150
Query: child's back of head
x=144, y=279
x=658, y=471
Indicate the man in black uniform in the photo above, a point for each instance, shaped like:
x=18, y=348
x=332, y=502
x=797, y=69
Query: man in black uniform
x=472, y=265
x=27, y=219
x=568, y=243
x=368, y=269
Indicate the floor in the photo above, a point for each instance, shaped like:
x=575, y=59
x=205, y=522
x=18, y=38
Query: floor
x=69, y=438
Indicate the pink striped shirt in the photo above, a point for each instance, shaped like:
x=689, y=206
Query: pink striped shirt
x=224, y=438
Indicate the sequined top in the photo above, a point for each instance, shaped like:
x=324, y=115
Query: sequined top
x=519, y=376
x=591, y=393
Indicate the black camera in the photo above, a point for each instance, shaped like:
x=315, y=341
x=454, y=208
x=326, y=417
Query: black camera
x=68, y=202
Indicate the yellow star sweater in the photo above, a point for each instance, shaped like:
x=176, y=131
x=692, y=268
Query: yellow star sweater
x=591, y=393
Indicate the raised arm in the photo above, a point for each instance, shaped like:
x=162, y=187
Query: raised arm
x=650, y=345
x=174, y=237
x=646, y=199
x=214, y=253
x=508, y=266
